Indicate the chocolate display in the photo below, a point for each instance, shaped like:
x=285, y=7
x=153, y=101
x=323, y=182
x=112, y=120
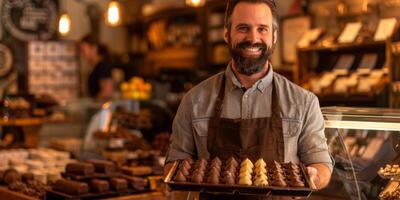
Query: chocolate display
x=102, y=166
x=27, y=177
x=389, y=171
x=137, y=170
x=71, y=187
x=245, y=173
x=80, y=168
x=11, y=176
x=99, y=186
x=118, y=184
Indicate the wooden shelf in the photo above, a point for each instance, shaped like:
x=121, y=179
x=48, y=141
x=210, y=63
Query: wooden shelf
x=337, y=47
x=22, y=122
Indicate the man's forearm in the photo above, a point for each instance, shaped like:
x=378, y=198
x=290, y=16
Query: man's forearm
x=323, y=175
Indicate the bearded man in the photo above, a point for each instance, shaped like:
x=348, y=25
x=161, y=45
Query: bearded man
x=248, y=111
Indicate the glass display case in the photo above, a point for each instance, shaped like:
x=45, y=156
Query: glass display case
x=361, y=141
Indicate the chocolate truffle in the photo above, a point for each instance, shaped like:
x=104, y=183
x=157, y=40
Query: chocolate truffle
x=184, y=171
x=247, y=163
x=186, y=164
x=180, y=177
x=11, y=176
x=260, y=163
x=278, y=182
x=245, y=181
x=229, y=179
x=197, y=178
x=217, y=161
x=27, y=177
x=213, y=178
x=230, y=168
x=232, y=161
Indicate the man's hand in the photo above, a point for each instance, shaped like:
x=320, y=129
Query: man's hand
x=319, y=174
x=314, y=179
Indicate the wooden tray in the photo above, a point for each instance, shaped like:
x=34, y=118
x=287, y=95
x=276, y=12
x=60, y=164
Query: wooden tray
x=231, y=189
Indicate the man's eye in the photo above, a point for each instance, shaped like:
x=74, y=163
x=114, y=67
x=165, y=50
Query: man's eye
x=263, y=30
x=242, y=29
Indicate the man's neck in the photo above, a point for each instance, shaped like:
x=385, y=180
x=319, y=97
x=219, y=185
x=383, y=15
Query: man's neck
x=249, y=81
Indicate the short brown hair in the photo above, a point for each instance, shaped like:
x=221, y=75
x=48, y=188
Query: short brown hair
x=232, y=4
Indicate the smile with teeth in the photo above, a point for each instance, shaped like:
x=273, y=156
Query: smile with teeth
x=252, y=51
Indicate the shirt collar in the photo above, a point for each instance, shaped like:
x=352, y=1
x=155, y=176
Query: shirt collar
x=234, y=83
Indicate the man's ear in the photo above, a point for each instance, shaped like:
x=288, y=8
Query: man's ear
x=275, y=36
x=226, y=34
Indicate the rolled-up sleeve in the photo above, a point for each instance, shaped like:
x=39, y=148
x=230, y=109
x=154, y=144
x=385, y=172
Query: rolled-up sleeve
x=312, y=146
x=182, y=143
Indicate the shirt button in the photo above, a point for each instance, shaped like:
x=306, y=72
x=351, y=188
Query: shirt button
x=246, y=96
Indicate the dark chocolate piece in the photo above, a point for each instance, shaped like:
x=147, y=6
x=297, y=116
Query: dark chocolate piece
x=186, y=164
x=213, y=179
x=217, y=161
x=197, y=178
x=71, y=187
x=184, y=171
x=99, y=186
x=137, y=182
x=11, y=176
x=27, y=177
x=180, y=177
x=102, y=166
x=17, y=186
x=232, y=161
x=118, y=184
x=80, y=168
x=229, y=178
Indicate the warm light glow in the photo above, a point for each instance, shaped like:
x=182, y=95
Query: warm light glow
x=113, y=14
x=195, y=3
x=361, y=125
x=64, y=24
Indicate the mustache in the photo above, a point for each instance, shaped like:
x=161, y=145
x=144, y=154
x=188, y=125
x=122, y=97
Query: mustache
x=247, y=44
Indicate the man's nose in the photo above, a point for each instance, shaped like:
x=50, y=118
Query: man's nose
x=253, y=36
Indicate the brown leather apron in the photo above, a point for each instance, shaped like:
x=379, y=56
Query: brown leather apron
x=245, y=138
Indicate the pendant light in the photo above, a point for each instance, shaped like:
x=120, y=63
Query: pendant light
x=195, y=3
x=113, y=13
x=64, y=24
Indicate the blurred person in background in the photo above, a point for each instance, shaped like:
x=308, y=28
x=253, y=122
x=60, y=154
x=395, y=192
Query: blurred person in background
x=100, y=83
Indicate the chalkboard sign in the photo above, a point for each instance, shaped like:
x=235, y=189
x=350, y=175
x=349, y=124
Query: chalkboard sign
x=29, y=20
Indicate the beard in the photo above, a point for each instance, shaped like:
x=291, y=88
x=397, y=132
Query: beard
x=250, y=65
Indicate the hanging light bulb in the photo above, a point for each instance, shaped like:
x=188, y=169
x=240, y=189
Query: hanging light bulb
x=113, y=14
x=195, y=3
x=64, y=24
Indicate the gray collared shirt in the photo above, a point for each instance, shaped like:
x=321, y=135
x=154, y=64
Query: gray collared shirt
x=302, y=120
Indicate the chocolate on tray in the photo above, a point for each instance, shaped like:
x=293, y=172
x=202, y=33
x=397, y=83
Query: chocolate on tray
x=71, y=187
x=242, y=173
x=80, y=168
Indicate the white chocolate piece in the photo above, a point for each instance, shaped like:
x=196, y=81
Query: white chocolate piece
x=245, y=181
x=260, y=170
x=261, y=176
x=246, y=169
x=247, y=162
x=261, y=182
x=260, y=163
x=244, y=175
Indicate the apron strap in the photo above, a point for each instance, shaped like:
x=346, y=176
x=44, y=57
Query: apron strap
x=220, y=99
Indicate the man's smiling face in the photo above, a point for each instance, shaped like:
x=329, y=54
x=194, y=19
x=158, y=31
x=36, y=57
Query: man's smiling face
x=250, y=37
